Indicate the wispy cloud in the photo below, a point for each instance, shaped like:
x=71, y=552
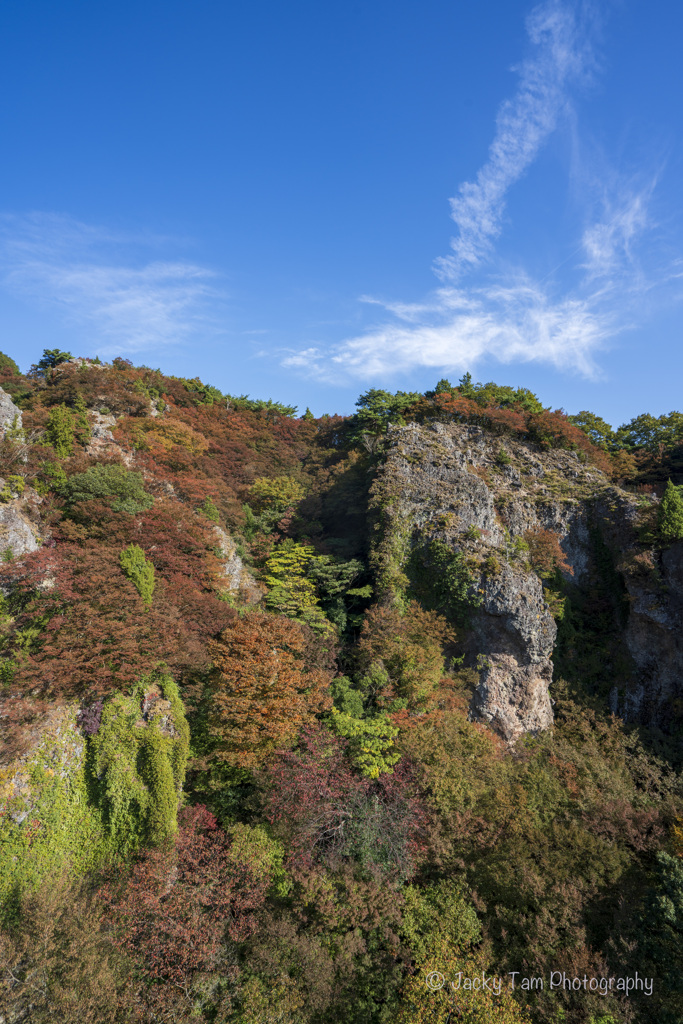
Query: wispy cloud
x=608, y=242
x=105, y=282
x=510, y=323
x=510, y=317
x=561, y=57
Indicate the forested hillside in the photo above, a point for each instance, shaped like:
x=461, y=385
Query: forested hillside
x=310, y=720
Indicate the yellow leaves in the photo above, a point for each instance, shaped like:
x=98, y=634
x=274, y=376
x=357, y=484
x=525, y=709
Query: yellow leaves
x=677, y=835
x=168, y=433
x=275, y=494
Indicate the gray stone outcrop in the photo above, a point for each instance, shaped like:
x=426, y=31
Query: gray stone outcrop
x=482, y=494
x=238, y=578
x=10, y=414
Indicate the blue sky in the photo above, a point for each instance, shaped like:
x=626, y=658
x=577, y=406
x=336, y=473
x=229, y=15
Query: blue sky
x=305, y=200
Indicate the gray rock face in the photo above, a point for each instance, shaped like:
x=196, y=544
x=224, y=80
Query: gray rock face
x=239, y=579
x=101, y=425
x=654, y=638
x=10, y=415
x=18, y=534
x=482, y=495
x=513, y=635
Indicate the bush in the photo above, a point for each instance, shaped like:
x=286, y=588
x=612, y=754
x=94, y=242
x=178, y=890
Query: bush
x=7, y=363
x=208, y=508
x=60, y=431
x=670, y=515
x=108, y=481
x=139, y=571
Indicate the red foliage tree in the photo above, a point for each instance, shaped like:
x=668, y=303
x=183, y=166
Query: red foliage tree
x=546, y=554
x=328, y=813
x=175, y=910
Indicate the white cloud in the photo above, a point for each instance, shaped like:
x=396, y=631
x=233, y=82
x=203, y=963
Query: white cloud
x=510, y=317
x=100, y=280
x=522, y=126
x=608, y=243
x=513, y=323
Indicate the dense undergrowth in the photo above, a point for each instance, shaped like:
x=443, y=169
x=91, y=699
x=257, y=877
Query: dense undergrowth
x=280, y=811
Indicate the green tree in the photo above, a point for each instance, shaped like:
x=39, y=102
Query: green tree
x=597, y=430
x=371, y=741
x=82, y=423
x=655, y=434
x=126, y=487
x=139, y=571
x=290, y=591
x=7, y=363
x=670, y=514
x=208, y=508
x=660, y=937
x=333, y=581
x=50, y=358
x=499, y=395
x=271, y=497
x=60, y=431
x=377, y=411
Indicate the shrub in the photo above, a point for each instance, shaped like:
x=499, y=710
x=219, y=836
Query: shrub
x=371, y=741
x=545, y=554
x=14, y=486
x=408, y=648
x=139, y=571
x=208, y=508
x=174, y=911
x=670, y=515
x=60, y=431
x=165, y=434
x=7, y=363
x=440, y=578
x=108, y=481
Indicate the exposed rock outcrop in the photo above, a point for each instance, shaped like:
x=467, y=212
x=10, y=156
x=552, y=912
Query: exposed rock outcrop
x=102, y=442
x=18, y=535
x=513, y=635
x=10, y=414
x=240, y=581
x=482, y=495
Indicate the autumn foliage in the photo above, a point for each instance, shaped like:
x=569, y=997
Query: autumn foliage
x=177, y=908
x=545, y=553
x=262, y=691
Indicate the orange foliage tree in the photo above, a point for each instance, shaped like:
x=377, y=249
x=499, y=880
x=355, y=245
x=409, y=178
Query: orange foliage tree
x=545, y=553
x=262, y=690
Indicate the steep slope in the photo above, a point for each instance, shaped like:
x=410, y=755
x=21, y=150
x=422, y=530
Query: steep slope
x=500, y=503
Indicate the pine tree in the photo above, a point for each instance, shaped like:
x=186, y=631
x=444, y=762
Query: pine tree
x=670, y=515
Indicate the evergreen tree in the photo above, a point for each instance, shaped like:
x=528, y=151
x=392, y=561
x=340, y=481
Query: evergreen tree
x=670, y=515
x=60, y=431
x=50, y=358
x=82, y=424
x=139, y=571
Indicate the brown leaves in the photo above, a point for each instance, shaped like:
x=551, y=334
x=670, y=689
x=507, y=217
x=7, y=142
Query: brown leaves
x=262, y=691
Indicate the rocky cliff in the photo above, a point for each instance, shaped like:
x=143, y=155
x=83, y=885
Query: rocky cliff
x=485, y=497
